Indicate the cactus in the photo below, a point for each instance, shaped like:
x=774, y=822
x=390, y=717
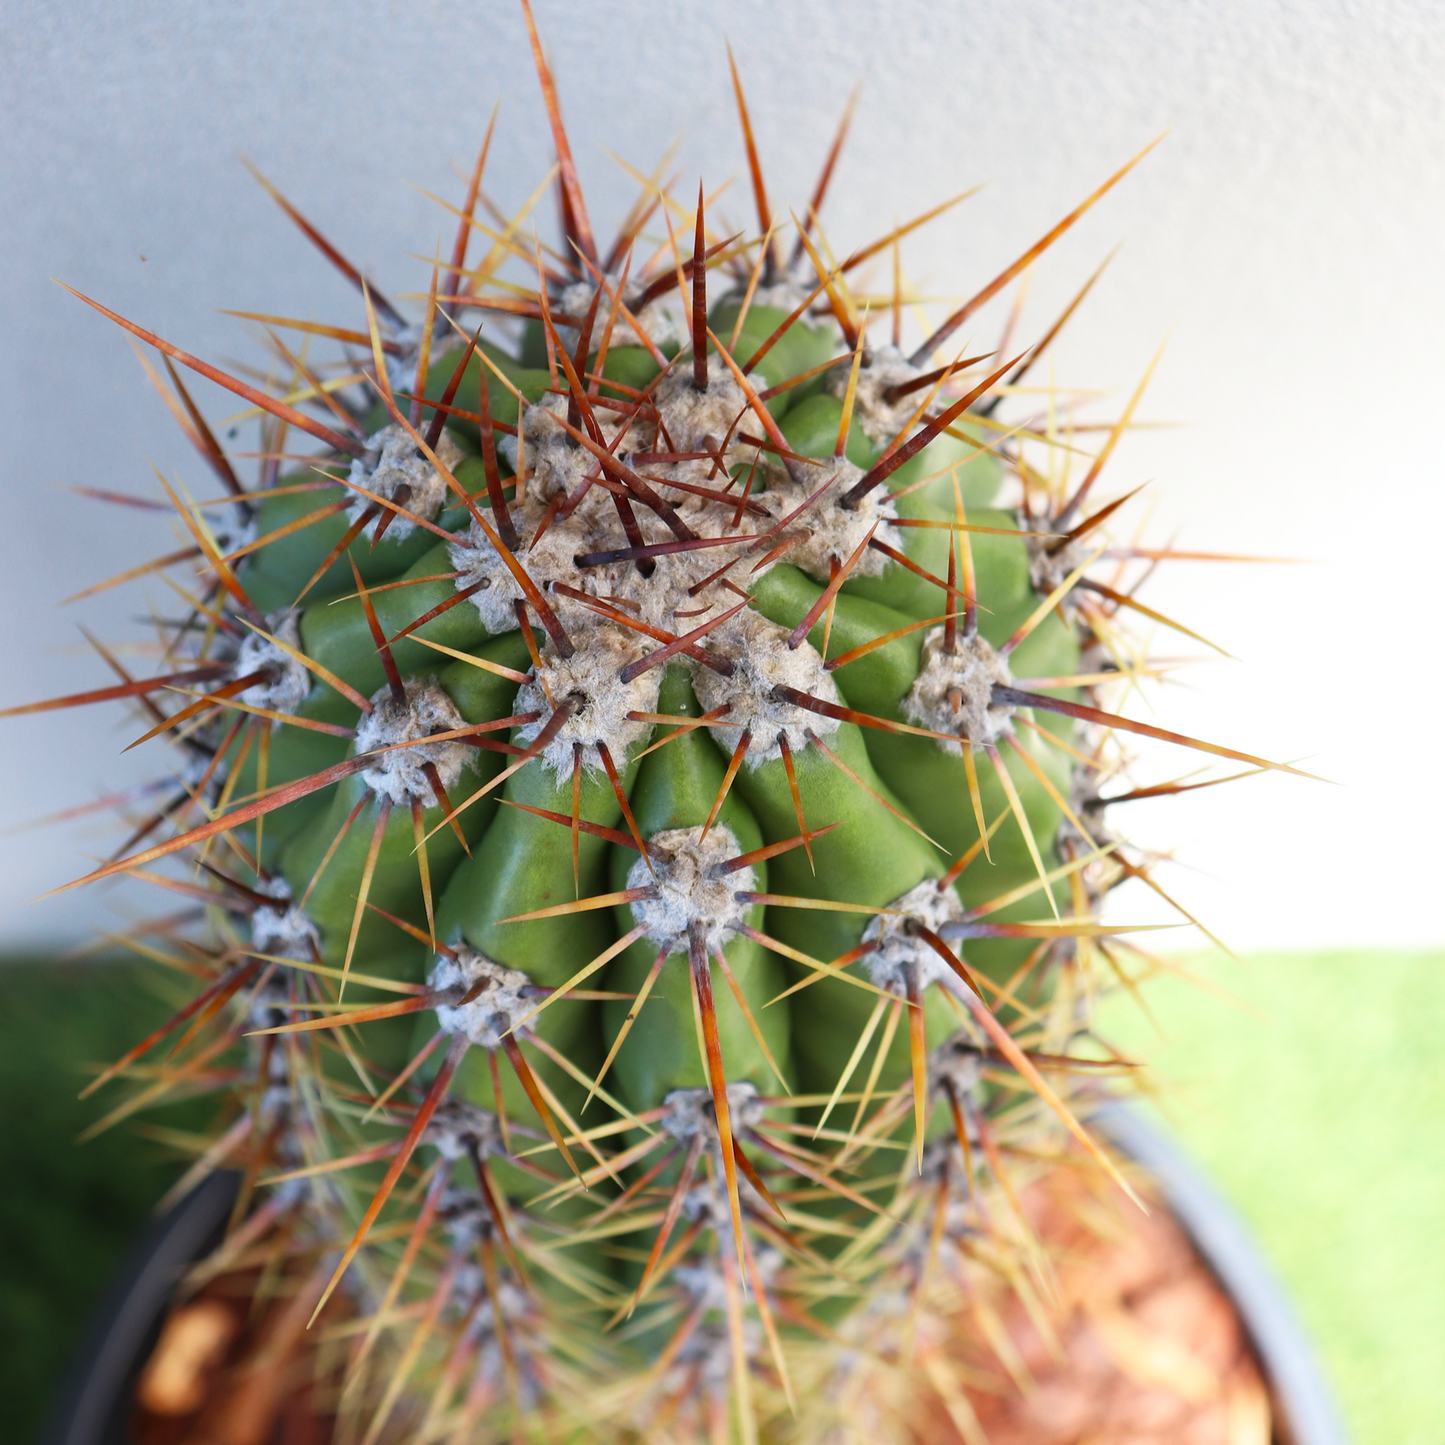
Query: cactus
x=646, y=783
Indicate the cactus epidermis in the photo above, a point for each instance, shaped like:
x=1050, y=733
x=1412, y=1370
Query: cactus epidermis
x=652, y=756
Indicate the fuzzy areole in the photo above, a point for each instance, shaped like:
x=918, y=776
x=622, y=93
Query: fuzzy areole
x=496, y=997
x=555, y=464
x=400, y=772
x=830, y=533
x=761, y=664
x=690, y=887
x=288, y=681
x=458, y=1127
x=883, y=368
x=692, y=417
x=689, y=1112
x=393, y=461
x=598, y=700
x=282, y=929
x=901, y=958
x=493, y=587
x=954, y=691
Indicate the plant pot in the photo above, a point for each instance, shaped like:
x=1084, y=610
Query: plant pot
x=1303, y=1410
x=95, y=1403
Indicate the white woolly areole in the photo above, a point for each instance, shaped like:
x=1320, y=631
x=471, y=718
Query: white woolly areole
x=514, y=1306
x=467, y=1219
x=973, y=670
x=762, y=662
x=590, y=680
x=593, y=526
x=900, y=951
x=689, y=1112
x=266, y=1008
x=464, y=1214
x=690, y=415
x=883, y=367
x=704, y=1365
x=664, y=320
x=956, y=1063
x=1048, y=570
x=236, y=528
x=689, y=886
x=501, y=999
x=393, y=461
x=943, y=1161
x=283, y=930
x=289, y=682
x=657, y=598
x=399, y=774
x=458, y=1126
x=555, y=462
x=498, y=591
x=834, y=531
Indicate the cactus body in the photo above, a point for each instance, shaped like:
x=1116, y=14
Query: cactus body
x=622, y=738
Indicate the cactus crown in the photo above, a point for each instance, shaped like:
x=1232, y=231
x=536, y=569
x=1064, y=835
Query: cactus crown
x=647, y=795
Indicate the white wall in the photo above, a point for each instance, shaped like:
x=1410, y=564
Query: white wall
x=1288, y=232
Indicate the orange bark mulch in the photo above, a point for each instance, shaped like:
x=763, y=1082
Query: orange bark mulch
x=1148, y=1349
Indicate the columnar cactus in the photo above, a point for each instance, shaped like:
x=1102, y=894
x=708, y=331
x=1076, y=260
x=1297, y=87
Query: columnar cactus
x=645, y=781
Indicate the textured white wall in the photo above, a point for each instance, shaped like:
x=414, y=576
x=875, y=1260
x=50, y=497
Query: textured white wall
x=1288, y=232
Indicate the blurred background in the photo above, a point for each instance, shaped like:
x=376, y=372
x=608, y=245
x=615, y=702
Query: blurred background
x=1285, y=237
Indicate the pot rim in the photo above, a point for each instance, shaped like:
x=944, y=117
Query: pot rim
x=1304, y=1408
x=126, y=1322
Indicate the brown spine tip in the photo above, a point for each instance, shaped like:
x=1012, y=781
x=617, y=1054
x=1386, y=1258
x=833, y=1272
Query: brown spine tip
x=699, y=299
x=1009, y=272
x=505, y=529
x=821, y=189
x=464, y=223
x=755, y=170
x=582, y=351
x=278, y=409
x=950, y=625
x=327, y=249
x=209, y=447
x=434, y=431
x=401, y=497
x=383, y=646
x=660, y=285
x=567, y=170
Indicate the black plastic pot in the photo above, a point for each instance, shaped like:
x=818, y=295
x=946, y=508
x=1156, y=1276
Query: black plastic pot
x=94, y=1402
x=92, y=1406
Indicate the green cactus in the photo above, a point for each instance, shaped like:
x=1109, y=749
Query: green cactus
x=645, y=773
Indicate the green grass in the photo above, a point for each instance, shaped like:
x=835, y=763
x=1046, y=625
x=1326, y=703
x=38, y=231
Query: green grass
x=1320, y=1112
x=68, y=1214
